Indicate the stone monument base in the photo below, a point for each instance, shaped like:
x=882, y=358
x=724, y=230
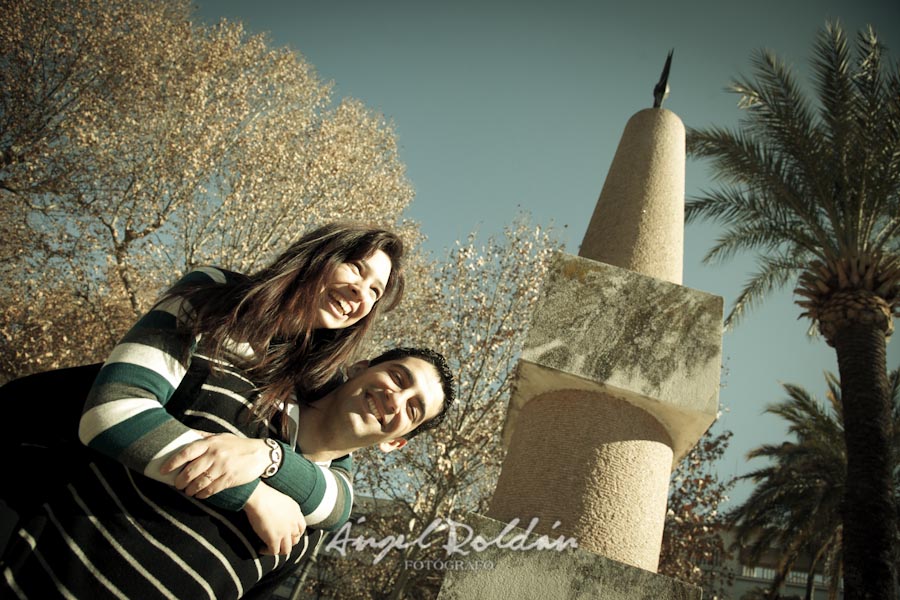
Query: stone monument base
x=551, y=574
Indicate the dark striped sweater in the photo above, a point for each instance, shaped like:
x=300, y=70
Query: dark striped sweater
x=127, y=416
x=116, y=532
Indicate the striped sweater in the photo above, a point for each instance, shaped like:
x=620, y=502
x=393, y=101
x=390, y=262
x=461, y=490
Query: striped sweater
x=111, y=533
x=115, y=529
x=127, y=416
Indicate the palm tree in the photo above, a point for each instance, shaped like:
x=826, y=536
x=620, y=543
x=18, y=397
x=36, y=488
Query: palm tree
x=815, y=190
x=796, y=504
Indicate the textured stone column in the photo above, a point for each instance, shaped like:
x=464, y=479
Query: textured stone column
x=597, y=455
x=627, y=446
x=618, y=378
x=638, y=222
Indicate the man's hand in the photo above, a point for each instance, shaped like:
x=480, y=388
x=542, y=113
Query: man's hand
x=217, y=463
x=275, y=518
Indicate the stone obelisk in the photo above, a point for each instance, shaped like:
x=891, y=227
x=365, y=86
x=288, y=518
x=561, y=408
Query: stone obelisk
x=619, y=374
x=638, y=223
x=618, y=380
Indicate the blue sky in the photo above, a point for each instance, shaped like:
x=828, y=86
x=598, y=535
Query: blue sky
x=502, y=106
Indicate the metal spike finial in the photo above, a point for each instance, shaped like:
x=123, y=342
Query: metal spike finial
x=661, y=91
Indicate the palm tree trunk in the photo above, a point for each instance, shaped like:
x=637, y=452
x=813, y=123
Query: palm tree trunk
x=868, y=510
x=810, y=585
x=811, y=573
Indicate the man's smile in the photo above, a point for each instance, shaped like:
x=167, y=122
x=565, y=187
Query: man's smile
x=373, y=407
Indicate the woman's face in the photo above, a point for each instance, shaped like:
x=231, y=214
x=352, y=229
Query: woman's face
x=352, y=290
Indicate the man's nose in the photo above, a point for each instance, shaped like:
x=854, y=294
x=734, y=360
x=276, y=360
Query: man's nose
x=392, y=401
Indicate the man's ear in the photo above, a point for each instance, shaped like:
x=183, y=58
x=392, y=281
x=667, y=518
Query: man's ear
x=392, y=445
x=357, y=368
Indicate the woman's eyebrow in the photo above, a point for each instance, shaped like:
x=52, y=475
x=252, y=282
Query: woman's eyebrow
x=368, y=269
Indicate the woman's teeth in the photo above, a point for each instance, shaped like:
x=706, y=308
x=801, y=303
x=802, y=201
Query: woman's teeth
x=342, y=305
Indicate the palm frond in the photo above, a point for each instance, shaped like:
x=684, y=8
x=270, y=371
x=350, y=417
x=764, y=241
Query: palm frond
x=727, y=204
x=835, y=90
x=867, y=166
x=887, y=234
x=891, y=122
x=738, y=157
x=894, y=389
x=773, y=272
x=766, y=238
x=813, y=184
x=833, y=83
x=833, y=395
x=781, y=114
x=762, y=183
x=750, y=236
x=795, y=505
x=807, y=419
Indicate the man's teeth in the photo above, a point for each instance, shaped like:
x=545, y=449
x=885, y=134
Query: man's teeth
x=374, y=409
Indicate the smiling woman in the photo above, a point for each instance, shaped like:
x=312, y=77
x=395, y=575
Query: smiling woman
x=352, y=290
x=305, y=314
x=220, y=352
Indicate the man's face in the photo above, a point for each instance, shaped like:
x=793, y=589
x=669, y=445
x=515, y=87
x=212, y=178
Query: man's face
x=380, y=404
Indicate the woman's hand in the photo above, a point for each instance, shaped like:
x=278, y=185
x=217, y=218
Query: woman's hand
x=276, y=519
x=216, y=463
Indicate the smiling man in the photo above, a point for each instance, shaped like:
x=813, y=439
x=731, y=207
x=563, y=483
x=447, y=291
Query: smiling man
x=384, y=402
x=113, y=532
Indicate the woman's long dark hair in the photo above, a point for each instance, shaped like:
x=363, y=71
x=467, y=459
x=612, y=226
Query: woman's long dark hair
x=273, y=311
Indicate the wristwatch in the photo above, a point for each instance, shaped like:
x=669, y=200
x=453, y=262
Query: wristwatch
x=276, y=456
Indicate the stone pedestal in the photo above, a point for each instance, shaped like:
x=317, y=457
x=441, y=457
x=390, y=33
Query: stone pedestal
x=551, y=574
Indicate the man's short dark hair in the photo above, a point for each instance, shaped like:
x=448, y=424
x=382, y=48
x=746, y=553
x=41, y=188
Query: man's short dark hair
x=440, y=365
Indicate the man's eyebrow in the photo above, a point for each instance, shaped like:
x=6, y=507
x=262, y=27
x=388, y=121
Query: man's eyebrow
x=410, y=379
x=411, y=382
